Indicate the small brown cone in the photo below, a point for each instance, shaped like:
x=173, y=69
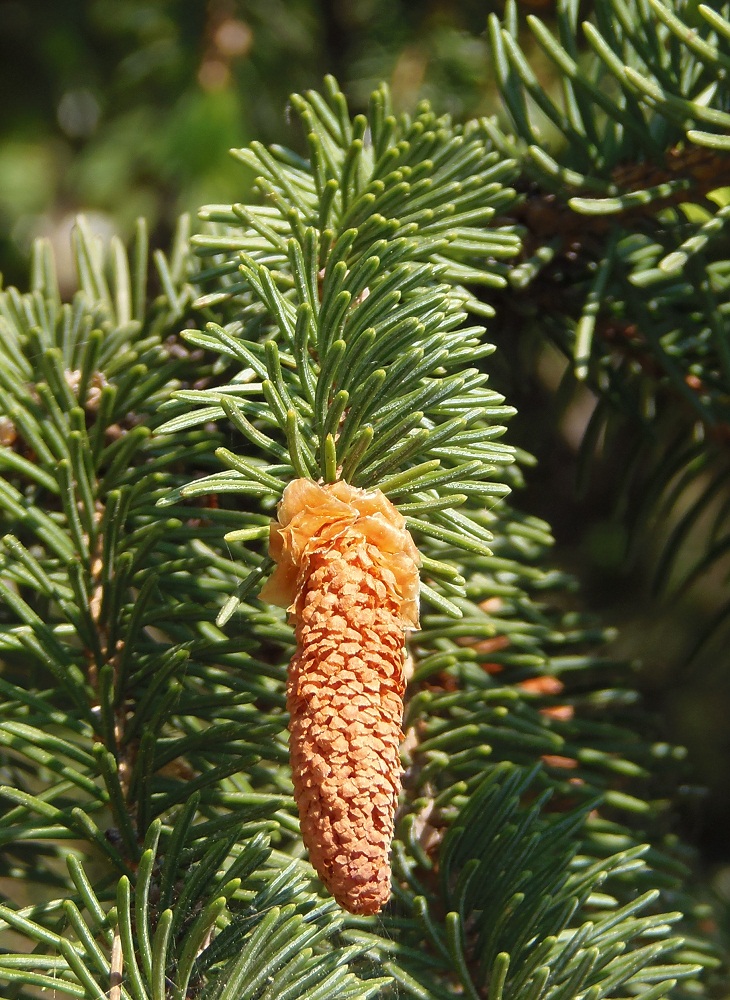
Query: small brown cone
x=348, y=571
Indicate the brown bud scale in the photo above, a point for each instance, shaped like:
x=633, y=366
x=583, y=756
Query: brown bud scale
x=347, y=569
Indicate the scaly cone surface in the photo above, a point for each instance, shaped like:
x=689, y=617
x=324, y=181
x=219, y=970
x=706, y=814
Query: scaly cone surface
x=347, y=570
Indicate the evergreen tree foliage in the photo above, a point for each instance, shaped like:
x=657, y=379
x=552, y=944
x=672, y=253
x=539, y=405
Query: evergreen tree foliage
x=150, y=846
x=625, y=239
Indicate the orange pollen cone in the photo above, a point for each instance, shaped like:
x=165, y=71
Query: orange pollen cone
x=347, y=570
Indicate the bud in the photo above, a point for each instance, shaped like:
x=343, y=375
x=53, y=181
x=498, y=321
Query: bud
x=347, y=570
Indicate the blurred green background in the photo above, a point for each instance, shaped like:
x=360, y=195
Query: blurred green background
x=121, y=108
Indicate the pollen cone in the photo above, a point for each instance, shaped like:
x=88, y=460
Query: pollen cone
x=347, y=570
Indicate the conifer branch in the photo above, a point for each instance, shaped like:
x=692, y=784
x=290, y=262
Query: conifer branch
x=532, y=779
x=625, y=227
x=292, y=301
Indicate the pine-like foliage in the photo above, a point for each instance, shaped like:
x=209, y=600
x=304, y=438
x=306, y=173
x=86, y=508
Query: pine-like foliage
x=149, y=842
x=625, y=266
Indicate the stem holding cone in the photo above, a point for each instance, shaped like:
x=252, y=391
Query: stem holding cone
x=347, y=570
